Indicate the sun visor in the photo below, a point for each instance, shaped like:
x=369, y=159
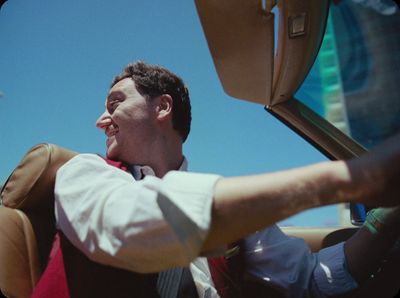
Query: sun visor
x=301, y=29
x=240, y=36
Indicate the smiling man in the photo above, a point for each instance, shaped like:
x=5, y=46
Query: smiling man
x=157, y=216
x=141, y=125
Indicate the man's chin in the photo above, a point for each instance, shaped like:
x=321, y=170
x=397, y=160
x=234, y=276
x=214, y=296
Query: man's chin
x=111, y=154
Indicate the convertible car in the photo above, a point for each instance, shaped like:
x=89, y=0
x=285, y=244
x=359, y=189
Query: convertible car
x=328, y=70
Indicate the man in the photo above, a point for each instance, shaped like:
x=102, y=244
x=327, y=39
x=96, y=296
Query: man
x=158, y=216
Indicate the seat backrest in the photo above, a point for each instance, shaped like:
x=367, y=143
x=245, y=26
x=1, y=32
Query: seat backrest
x=19, y=260
x=27, y=222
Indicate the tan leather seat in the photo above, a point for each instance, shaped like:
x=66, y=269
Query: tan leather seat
x=27, y=230
x=27, y=223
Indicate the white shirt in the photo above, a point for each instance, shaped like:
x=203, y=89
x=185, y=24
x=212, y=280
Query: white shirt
x=142, y=226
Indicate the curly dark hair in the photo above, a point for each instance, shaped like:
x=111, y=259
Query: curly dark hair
x=154, y=80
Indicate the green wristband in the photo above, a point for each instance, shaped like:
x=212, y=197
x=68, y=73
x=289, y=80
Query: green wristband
x=376, y=218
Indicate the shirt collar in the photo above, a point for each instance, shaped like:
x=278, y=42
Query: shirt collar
x=140, y=171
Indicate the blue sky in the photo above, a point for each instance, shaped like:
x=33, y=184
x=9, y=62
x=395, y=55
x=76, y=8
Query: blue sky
x=57, y=61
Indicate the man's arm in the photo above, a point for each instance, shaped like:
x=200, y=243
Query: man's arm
x=118, y=221
x=246, y=204
x=111, y=219
x=243, y=205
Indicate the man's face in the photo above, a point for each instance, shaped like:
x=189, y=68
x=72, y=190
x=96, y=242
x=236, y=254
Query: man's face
x=129, y=123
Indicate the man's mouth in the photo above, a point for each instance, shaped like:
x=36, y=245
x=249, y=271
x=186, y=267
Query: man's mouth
x=108, y=142
x=111, y=132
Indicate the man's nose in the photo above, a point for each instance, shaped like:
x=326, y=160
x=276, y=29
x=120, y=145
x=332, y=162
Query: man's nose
x=103, y=121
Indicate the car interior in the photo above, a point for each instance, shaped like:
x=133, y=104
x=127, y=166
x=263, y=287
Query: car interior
x=263, y=52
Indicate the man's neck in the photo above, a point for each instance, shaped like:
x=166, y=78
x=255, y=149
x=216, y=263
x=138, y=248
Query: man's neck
x=167, y=164
x=169, y=155
x=140, y=171
x=162, y=154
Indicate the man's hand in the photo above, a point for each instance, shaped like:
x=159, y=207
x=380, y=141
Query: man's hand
x=366, y=250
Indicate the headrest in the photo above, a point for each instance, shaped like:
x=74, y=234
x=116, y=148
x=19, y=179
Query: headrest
x=31, y=184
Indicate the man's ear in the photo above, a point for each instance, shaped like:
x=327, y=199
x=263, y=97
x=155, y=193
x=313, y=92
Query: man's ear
x=164, y=106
